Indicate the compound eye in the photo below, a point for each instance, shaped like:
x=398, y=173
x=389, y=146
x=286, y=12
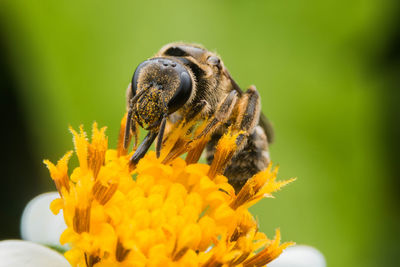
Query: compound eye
x=171, y=68
x=136, y=76
x=213, y=60
x=183, y=92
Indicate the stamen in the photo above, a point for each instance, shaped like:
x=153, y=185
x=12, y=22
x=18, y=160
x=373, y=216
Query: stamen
x=177, y=256
x=103, y=193
x=81, y=147
x=260, y=185
x=97, y=150
x=121, y=252
x=175, y=144
x=81, y=220
x=240, y=259
x=245, y=194
x=178, y=149
x=245, y=223
x=196, y=147
x=91, y=260
x=59, y=173
x=269, y=253
x=95, y=159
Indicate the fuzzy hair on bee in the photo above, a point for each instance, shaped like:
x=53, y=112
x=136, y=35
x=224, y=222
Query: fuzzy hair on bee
x=183, y=79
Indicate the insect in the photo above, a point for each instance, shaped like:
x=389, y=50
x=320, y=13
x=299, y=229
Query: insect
x=184, y=77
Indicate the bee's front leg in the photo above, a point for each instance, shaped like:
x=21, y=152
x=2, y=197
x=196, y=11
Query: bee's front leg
x=131, y=127
x=143, y=147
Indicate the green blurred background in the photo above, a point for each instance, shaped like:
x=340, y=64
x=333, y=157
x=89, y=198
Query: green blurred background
x=328, y=73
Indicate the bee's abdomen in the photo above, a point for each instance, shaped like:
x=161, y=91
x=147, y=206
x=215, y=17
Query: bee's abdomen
x=253, y=158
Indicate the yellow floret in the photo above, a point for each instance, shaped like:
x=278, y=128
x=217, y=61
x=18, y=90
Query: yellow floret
x=164, y=212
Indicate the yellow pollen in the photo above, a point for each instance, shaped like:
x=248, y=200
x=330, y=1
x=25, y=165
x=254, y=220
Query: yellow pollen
x=164, y=212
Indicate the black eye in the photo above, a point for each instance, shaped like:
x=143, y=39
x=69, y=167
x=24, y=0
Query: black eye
x=136, y=75
x=183, y=92
x=213, y=60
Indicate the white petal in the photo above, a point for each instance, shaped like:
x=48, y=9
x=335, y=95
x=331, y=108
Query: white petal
x=17, y=253
x=299, y=256
x=39, y=224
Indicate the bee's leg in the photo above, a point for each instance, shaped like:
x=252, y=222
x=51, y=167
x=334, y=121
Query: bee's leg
x=160, y=136
x=248, y=114
x=195, y=111
x=252, y=154
x=143, y=147
x=252, y=158
x=221, y=115
x=131, y=127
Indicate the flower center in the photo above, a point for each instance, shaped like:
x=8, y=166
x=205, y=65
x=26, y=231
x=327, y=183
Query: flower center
x=165, y=211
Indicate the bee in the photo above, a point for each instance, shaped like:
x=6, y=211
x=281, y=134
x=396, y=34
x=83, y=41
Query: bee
x=182, y=78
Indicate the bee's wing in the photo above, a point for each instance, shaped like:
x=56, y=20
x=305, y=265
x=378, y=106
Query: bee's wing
x=233, y=82
x=265, y=123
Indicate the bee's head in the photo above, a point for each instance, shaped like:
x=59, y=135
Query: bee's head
x=160, y=86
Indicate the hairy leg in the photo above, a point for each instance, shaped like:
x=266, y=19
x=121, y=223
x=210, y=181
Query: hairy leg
x=252, y=154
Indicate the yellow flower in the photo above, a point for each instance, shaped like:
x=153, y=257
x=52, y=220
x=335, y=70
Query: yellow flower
x=163, y=212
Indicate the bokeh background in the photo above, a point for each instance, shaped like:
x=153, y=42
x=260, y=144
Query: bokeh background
x=328, y=73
